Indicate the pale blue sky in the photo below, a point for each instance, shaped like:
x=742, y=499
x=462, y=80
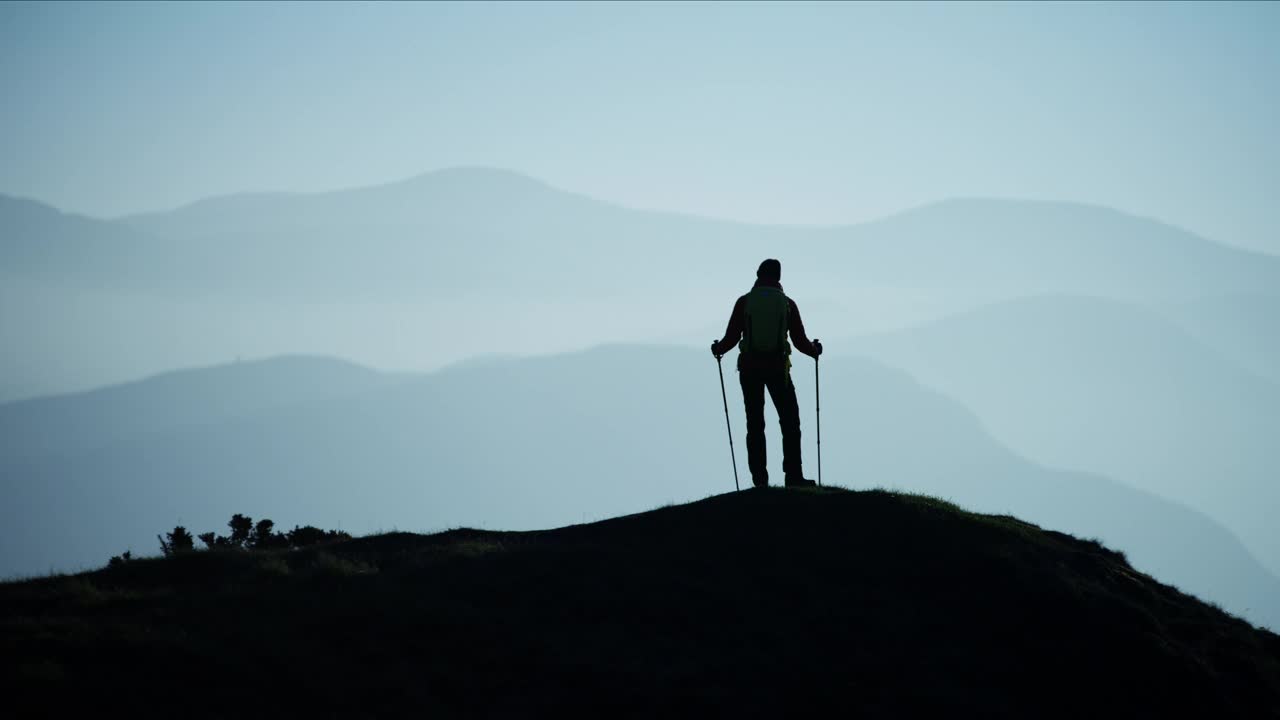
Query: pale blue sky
x=790, y=113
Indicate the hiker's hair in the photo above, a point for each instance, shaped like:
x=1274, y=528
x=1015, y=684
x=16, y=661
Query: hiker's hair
x=770, y=270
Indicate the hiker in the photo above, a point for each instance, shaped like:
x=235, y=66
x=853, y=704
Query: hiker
x=762, y=318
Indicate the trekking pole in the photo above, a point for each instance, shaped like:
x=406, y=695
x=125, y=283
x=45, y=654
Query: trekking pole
x=725, y=398
x=817, y=406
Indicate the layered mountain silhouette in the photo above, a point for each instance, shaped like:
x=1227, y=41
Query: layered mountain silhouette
x=72, y=251
x=381, y=274
x=483, y=229
x=759, y=603
x=1108, y=387
x=1243, y=326
x=179, y=399
x=525, y=443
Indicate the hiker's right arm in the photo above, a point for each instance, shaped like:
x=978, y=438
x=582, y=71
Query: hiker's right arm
x=733, y=332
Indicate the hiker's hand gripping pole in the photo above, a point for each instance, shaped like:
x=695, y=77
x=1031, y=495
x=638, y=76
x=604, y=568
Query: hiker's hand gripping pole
x=725, y=398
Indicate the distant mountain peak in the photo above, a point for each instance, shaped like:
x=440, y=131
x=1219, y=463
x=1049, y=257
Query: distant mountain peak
x=13, y=205
x=482, y=179
x=986, y=207
x=474, y=172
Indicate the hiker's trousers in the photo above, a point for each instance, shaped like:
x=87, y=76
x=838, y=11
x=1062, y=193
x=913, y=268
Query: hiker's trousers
x=783, y=391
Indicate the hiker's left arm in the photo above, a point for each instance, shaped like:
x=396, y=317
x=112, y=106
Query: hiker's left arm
x=796, y=327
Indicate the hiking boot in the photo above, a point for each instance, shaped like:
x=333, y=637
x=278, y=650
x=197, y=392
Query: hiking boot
x=760, y=481
x=799, y=481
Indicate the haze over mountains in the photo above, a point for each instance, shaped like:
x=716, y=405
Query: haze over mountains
x=182, y=398
x=1240, y=325
x=1118, y=372
x=1106, y=387
x=509, y=231
x=420, y=273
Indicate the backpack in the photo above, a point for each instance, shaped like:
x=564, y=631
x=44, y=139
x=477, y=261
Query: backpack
x=764, y=327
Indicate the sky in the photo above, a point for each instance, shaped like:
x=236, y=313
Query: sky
x=771, y=113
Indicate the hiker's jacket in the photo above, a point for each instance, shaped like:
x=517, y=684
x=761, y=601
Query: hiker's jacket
x=738, y=325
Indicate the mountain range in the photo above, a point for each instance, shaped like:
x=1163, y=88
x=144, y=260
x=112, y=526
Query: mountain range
x=483, y=230
x=494, y=261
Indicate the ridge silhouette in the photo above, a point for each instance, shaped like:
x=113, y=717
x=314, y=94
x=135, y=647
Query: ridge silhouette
x=867, y=603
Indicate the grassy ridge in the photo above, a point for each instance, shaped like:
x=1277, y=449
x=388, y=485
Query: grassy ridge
x=750, y=604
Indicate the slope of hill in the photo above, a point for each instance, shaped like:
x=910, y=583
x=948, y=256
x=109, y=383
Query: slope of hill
x=764, y=602
x=1111, y=388
x=524, y=443
x=83, y=421
x=1009, y=248
x=1243, y=326
x=73, y=251
x=461, y=230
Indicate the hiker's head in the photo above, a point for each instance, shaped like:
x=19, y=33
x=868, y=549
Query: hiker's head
x=770, y=270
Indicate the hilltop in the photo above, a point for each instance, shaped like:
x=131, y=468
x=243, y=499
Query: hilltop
x=753, y=603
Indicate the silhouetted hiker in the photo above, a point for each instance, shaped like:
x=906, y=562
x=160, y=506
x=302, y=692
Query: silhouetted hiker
x=762, y=318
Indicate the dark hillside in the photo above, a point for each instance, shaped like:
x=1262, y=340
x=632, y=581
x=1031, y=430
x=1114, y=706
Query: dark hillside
x=749, y=604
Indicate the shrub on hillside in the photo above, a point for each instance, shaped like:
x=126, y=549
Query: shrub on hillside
x=265, y=538
x=241, y=526
x=213, y=541
x=178, y=541
x=310, y=535
x=245, y=535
